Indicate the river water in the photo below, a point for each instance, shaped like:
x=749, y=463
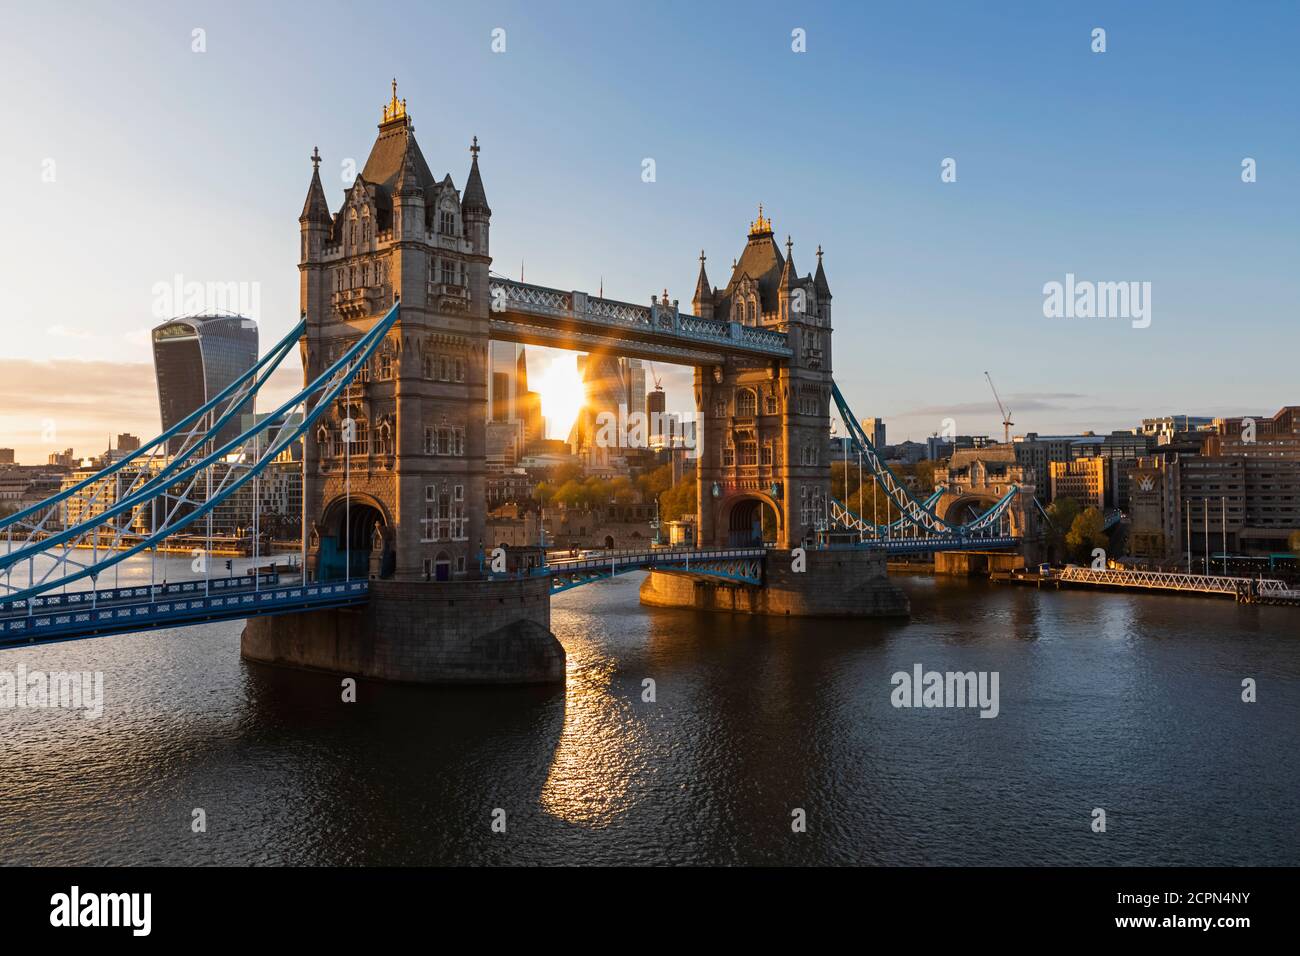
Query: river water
x=1127, y=703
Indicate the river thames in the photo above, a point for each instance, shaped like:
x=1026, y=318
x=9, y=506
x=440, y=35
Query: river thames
x=1128, y=703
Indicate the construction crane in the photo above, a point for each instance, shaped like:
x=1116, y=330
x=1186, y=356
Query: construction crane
x=1006, y=415
x=659, y=387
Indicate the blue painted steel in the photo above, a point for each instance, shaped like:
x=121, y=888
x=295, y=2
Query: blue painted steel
x=175, y=611
x=912, y=509
x=79, y=599
x=733, y=564
x=925, y=545
x=271, y=358
x=351, y=360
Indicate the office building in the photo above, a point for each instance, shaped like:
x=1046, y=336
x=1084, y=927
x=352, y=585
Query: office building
x=195, y=358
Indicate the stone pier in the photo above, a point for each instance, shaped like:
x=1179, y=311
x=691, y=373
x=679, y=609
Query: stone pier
x=456, y=632
x=835, y=583
x=976, y=563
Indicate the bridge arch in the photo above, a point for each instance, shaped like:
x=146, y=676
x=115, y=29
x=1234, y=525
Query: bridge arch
x=360, y=530
x=964, y=507
x=751, y=518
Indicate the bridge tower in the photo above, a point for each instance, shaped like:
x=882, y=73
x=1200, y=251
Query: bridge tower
x=764, y=472
x=416, y=466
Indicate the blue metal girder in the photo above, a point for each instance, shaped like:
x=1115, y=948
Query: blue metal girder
x=76, y=623
x=324, y=389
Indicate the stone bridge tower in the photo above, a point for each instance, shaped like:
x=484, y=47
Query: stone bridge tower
x=419, y=406
x=764, y=469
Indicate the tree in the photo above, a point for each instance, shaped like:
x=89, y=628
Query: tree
x=680, y=499
x=654, y=483
x=543, y=493
x=1061, y=513
x=1086, y=534
x=570, y=495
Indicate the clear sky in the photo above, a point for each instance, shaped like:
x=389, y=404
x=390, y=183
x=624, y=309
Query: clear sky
x=1115, y=166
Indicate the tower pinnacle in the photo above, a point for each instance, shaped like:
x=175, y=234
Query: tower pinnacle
x=396, y=109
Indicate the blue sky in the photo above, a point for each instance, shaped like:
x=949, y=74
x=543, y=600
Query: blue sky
x=1117, y=166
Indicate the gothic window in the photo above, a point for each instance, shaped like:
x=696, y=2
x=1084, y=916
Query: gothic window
x=769, y=404
x=428, y=365
x=748, y=453
x=719, y=408
x=384, y=439
x=460, y=369
x=444, y=368
x=746, y=404
x=385, y=367
x=361, y=436
x=448, y=225
x=430, y=440
x=429, y=523
x=448, y=272
x=365, y=275
x=767, y=455
x=728, y=457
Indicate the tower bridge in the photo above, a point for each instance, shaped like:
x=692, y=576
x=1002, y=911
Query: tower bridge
x=398, y=307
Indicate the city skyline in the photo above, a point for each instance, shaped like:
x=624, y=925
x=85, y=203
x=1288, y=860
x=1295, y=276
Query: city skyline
x=1066, y=178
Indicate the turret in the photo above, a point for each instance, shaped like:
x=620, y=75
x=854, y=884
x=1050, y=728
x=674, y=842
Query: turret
x=475, y=211
x=823, y=290
x=315, y=220
x=786, y=296
x=703, y=301
x=408, y=198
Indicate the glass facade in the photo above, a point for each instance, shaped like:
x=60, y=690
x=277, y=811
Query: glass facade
x=194, y=359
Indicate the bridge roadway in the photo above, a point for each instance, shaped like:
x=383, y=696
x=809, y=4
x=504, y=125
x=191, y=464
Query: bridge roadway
x=79, y=614
x=95, y=613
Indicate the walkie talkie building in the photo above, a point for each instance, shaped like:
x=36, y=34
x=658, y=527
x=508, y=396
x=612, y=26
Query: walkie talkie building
x=195, y=358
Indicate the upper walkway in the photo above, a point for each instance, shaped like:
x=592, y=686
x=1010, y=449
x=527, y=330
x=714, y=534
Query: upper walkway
x=537, y=315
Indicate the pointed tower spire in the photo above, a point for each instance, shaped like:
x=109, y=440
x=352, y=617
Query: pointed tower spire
x=788, y=273
x=703, y=301
x=317, y=207
x=475, y=197
x=819, y=280
x=408, y=180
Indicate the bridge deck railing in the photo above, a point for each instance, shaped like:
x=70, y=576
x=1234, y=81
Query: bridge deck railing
x=658, y=319
x=44, y=602
x=176, y=611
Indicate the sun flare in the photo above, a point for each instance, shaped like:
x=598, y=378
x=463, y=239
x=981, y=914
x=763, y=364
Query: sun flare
x=561, y=389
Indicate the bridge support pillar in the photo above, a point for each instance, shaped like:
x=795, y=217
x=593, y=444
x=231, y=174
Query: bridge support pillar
x=848, y=582
x=458, y=632
x=976, y=563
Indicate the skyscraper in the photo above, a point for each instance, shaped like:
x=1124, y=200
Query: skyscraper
x=875, y=429
x=634, y=375
x=194, y=359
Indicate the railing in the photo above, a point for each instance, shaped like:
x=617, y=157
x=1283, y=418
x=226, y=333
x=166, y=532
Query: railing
x=42, y=602
x=175, y=612
x=1177, y=581
x=506, y=295
x=644, y=556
